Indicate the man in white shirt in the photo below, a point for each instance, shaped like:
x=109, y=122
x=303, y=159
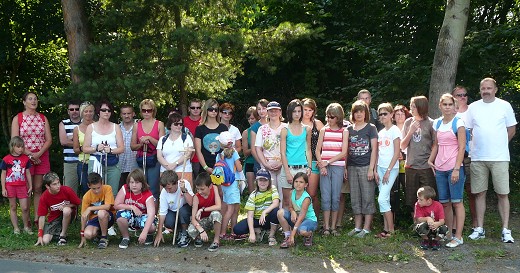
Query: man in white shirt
x=493, y=125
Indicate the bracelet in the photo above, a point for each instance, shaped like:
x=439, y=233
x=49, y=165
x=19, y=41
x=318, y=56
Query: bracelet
x=456, y=169
x=205, y=167
x=82, y=233
x=203, y=209
x=40, y=232
x=200, y=232
x=295, y=228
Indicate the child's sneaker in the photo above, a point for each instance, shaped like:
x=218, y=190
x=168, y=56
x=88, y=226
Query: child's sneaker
x=353, y=232
x=285, y=243
x=28, y=230
x=149, y=240
x=435, y=245
x=184, y=239
x=362, y=233
x=112, y=231
x=16, y=231
x=103, y=243
x=198, y=242
x=213, y=247
x=478, y=233
x=62, y=241
x=307, y=241
x=237, y=237
x=506, y=236
x=425, y=244
x=124, y=243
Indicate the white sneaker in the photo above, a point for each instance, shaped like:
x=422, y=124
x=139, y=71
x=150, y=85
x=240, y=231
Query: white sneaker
x=112, y=231
x=506, y=236
x=478, y=233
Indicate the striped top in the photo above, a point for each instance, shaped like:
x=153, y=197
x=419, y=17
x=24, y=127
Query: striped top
x=332, y=145
x=258, y=201
x=68, y=152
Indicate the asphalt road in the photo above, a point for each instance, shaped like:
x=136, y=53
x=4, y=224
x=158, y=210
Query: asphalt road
x=15, y=266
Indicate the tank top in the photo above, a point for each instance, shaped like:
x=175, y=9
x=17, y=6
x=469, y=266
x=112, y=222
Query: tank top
x=206, y=202
x=315, y=135
x=153, y=133
x=296, y=147
x=298, y=203
x=249, y=159
x=138, y=200
x=98, y=138
x=332, y=145
x=83, y=157
x=32, y=131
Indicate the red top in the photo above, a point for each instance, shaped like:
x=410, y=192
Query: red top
x=50, y=203
x=191, y=125
x=206, y=202
x=15, y=169
x=435, y=211
x=32, y=131
x=138, y=200
x=153, y=133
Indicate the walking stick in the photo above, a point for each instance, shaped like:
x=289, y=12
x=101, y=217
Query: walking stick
x=145, y=151
x=106, y=163
x=186, y=149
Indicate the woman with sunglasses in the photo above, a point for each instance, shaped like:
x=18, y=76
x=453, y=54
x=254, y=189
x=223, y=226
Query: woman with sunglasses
x=206, y=145
x=104, y=142
x=145, y=139
x=86, y=112
x=34, y=129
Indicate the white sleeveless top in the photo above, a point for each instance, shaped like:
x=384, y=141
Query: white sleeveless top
x=98, y=138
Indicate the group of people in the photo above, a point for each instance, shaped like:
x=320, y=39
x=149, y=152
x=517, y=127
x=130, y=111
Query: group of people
x=142, y=174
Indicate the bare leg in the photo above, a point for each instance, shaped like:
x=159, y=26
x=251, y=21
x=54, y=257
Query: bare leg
x=480, y=205
x=250, y=177
x=389, y=221
x=312, y=189
x=14, y=217
x=216, y=228
x=103, y=216
x=37, y=181
x=24, y=205
x=286, y=198
x=358, y=221
x=67, y=214
x=503, y=209
x=448, y=216
x=368, y=221
x=460, y=215
x=326, y=219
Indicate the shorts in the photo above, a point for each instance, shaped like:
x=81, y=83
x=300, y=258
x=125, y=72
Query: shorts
x=42, y=168
x=362, y=190
x=307, y=225
x=137, y=222
x=19, y=192
x=480, y=176
x=448, y=191
x=54, y=228
x=249, y=167
x=206, y=223
x=280, y=179
x=231, y=194
x=314, y=168
x=423, y=230
x=95, y=221
x=416, y=178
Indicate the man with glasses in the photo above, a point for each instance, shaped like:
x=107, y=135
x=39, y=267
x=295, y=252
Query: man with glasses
x=70, y=159
x=191, y=122
x=365, y=96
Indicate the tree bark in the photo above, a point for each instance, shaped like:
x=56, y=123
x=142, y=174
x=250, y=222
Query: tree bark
x=77, y=32
x=447, y=52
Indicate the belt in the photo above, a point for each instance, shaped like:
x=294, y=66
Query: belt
x=297, y=166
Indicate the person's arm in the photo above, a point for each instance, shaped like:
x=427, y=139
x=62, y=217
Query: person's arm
x=251, y=225
x=407, y=134
x=283, y=154
x=238, y=142
x=150, y=212
x=461, y=139
x=321, y=163
x=202, y=161
x=119, y=202
x=186, y=192
x=15, y=128
x=303, y=213
x=158, y=235
x=48, y=140
x=511, y=132
x=433, y=155
x=246, y=150
x=254, y=151
x=135, y=144
x=87, y=142
x=373, y=157
x=64, y=140
x=2, y=179
x=308, y=152
x=75, y=141
x=395, y=157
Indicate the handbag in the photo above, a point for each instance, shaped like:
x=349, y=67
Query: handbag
x=151, y=160
x=111, y=159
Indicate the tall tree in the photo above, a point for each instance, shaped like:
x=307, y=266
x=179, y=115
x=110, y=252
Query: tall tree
x=447, y=52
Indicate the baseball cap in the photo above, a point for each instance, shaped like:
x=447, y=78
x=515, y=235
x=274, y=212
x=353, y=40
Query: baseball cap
x=225, y=138
x=274, y=105
x=263, y=173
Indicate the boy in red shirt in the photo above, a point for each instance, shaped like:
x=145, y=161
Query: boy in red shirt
x=429, y=218
x=58, y=203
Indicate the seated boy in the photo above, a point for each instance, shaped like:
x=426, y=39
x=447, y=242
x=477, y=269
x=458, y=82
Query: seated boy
x=176, y=196
x=58, y=203
x=205, y=213
x=97, y=211
x=429, y=218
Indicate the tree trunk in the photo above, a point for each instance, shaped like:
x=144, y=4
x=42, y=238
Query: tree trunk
x=447, y=52
x=77, y=32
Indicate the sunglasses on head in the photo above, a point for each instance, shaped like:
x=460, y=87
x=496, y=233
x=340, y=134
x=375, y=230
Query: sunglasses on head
x=147, y=110
x=212, y=109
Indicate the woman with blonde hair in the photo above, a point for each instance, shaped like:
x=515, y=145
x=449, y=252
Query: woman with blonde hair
x=86, y=112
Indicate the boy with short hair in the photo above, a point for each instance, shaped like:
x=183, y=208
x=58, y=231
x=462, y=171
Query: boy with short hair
x=205, y=213
x=429, y=218
x=97, y=211
x=176, y=197
x=58, y=203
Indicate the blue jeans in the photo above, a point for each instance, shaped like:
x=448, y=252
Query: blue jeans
x=82, y=170
x=242, y=227
x=448, y=191
x=384, y=189
x=152, y=178
x=306, y=225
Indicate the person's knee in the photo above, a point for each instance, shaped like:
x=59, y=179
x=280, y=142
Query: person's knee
x=502, y=196
x=67, y=211
x=103, y=214
x=90, y=232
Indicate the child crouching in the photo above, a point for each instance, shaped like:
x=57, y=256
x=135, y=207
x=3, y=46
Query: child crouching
x=300, y=214
x=429, y=218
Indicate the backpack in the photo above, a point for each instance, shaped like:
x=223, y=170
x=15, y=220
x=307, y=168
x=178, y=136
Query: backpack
x=454, y=128
x=222, y=173
x=184, y=135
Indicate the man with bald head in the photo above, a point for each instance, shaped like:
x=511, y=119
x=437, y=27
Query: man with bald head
x=493, y=124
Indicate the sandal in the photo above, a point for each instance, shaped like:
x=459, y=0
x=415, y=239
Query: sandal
x=272, y=241
x=382, y=234
x=334, y=233
x=326, y=232
x=62, y=241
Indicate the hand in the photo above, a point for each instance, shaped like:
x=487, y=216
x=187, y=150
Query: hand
x=4, y=192
x=345, y=176
x=385, y=178
x=431, y=164
x=289, y=177
x=370, y=174
x=137, y=211
x=142, y=238
x=252, y=237
x=323, y=171
x=29, y=190
x=294, y=216
x=414, y=126
x=291, y=240
x=199, y=212
x=204, y=236
x=158, y=239
x=182, y=184
x=308, y=171
x=276, y=166
x=324, y=163
x=455, y=176
x=209, y=170
x=39, y=242
x=85, y=214
x=376, y=178
x=83, y=242
x=262, y=218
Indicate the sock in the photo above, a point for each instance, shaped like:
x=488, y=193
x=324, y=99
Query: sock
x=287, y=233
x=357, y=229
x=103, y=237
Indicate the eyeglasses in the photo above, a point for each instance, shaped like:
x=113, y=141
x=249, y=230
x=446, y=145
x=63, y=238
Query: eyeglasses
x=462, y=95
x=193, y=107
x=147, y=110
x=226, y=112
x=212, y=109
x=331, y=117
x=73, y=109
x=178, y=123
x=447, y=104
x=104, y=110
x=383, y=114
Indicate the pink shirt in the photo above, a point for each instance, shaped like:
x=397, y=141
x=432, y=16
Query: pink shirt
x=332, y=145
x=153, y=133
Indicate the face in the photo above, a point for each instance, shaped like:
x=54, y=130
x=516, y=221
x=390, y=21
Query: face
x=366, y=98
x=31, y=101
x=195, y=109
x=423, y=202
x=461, y=95
x=203, y=190
x=331, y=119
x=413, y=110
x=73, y=111
x=96, y=188
x=147, y=111
x=54, y=187
x=176, y=126
x=297, y=113
x=127, y=115
x=213, y=111
x=384, y=116
x=447, y=107
x=171, y=187
x=135, y=186
x=299, y=184
x=18, y=150
x=359, y=116
x=88, y=113
x=274, y=114
x=262, y=183
x=308, y=113
x=104, y=112
x=262, y=111
x=226, y=114
x=251, y=119
x=399, y=117
x=488, y=91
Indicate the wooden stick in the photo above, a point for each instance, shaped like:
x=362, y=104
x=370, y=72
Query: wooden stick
x=186, y=149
